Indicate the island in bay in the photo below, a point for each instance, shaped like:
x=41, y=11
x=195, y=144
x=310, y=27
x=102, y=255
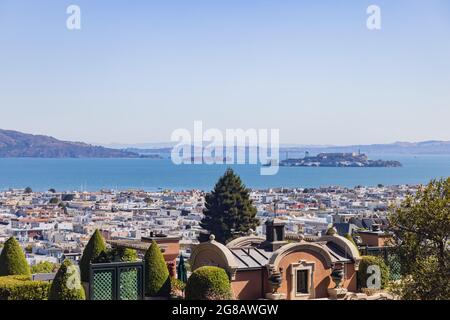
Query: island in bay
x=338, y=160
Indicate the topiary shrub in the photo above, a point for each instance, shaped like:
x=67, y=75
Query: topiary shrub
x=208, y=283
x=23, y=288
x=363, y=275
x=94, y=248
x=67, y=284
x=157, y=280
x=177, y=288
x=12, y=259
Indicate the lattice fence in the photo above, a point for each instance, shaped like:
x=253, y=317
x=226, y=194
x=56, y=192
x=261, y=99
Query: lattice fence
x=117, y=281
x=389, y=257
x=103, y=285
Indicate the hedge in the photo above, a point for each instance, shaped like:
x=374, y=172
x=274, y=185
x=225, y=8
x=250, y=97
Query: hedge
x=23, y=288
x=44, y=267
x=12, y=259
x=208, y=283
x=157, y=280
x=67, y=284
x=363, y=275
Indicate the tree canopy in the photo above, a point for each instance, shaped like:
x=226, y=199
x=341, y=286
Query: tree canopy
x=229, y=212
x=421, y=230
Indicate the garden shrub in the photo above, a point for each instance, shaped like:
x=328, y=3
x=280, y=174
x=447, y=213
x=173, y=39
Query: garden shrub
x=12, y=259
x=208, y=283
x=44, y=267
x=157, y=280
x=363, y=275
x=177, y=288
x=119, y=254
x=23, y=288
x=67, y=284
x=94, y=248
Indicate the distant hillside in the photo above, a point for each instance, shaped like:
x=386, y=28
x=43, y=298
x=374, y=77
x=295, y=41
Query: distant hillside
x=18, y=144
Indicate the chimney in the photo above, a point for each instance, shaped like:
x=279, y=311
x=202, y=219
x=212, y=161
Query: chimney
x=375, y=227
x=275, y=234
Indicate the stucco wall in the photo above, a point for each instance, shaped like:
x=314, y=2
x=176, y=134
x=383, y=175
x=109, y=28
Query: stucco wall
x=209, y=257
x=249, y=285
x=321, y=277
x=369, y=239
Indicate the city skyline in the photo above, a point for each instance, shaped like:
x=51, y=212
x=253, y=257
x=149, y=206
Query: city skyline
x=135, y=73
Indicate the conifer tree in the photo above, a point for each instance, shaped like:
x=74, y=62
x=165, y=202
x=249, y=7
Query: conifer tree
x=229, y=212
x=157, y=280
x=12, y=259
x=67, y=284
x=94, y=248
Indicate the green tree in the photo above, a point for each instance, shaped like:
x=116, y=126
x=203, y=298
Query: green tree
x=44, y=267
x=119, y=254
x=421, y=230
x=28, y=190
x=54, y=200
x=68, y=197
x=67, y=284
x=181, y=270
x=208, y=283
x=12, y=259
x=94, y=248
x=157, y=280
x=229, y=212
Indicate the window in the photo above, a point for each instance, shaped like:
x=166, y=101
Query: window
x=302, y=282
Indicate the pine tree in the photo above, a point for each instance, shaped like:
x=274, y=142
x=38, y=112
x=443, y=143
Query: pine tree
x=95, y=247
x=12, y=259
x=67, y=285
x=157, y=280
x=229, y=212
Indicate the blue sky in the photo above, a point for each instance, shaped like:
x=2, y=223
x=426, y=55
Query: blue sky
x=137, y=70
